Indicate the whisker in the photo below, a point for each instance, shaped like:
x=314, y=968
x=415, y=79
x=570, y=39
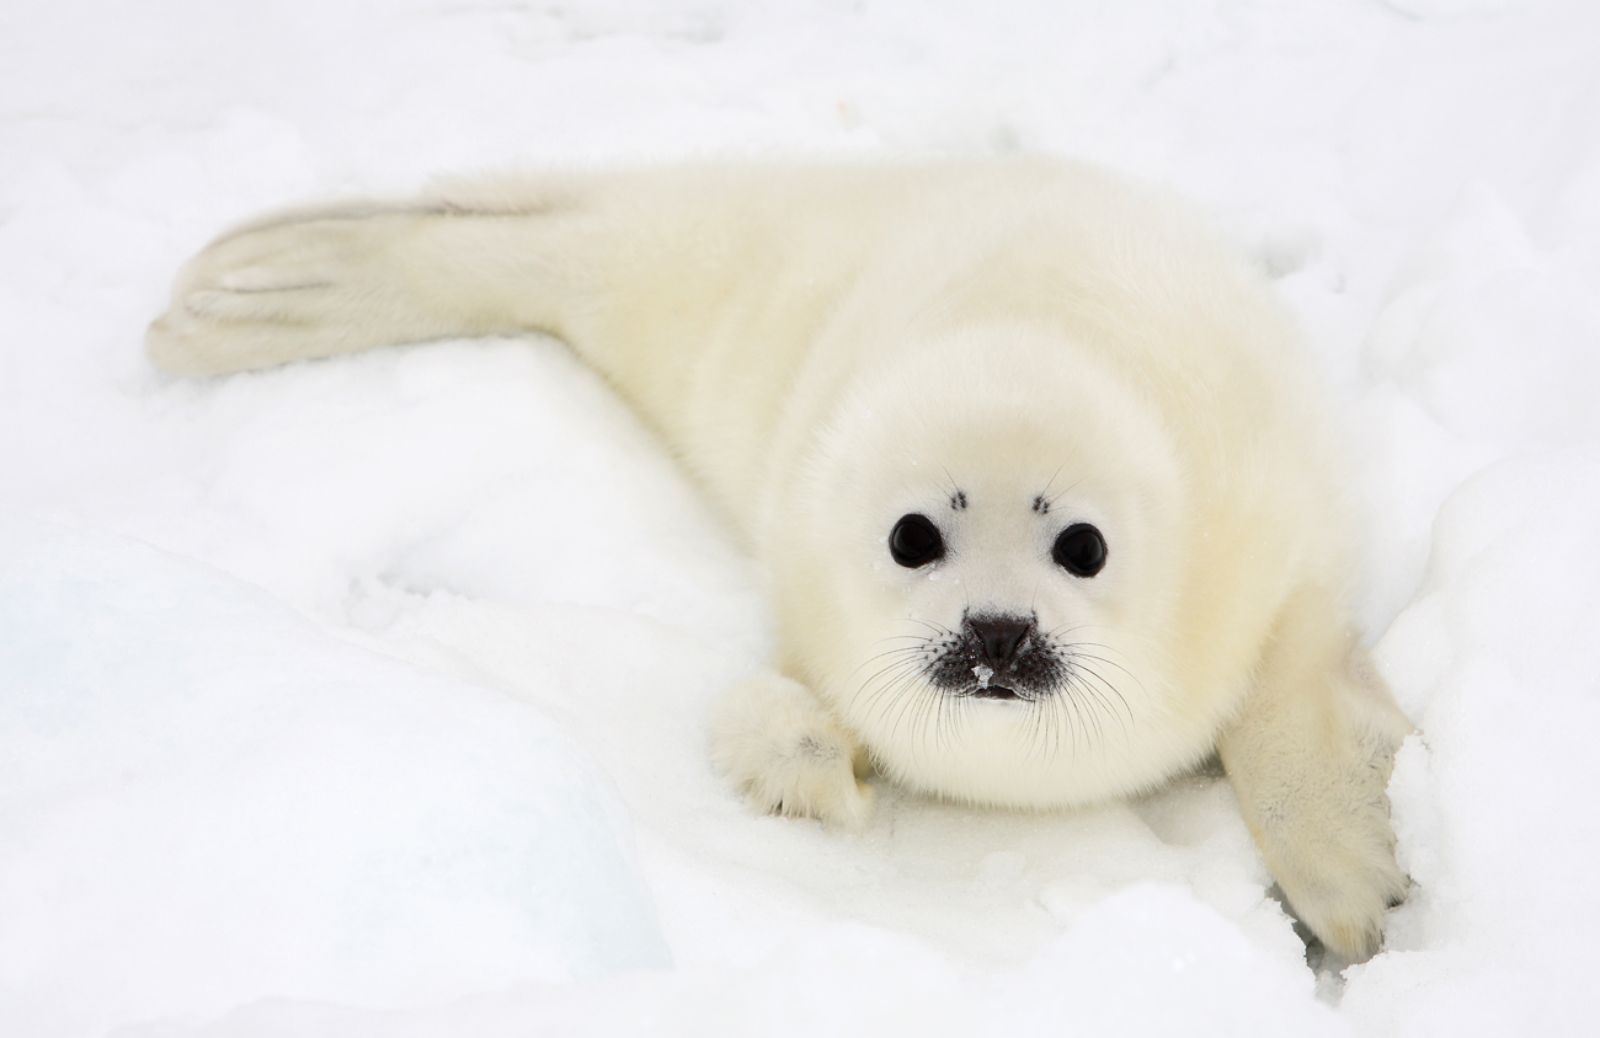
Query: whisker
x=1064, y=492
x=1110, y=663
x=1059, y=709
x=906, y=704
x=1070, y=709
x=1091, y=708
x=885, y=684
x=901, y=651
x=1051, y=481
x=1091, y=673
x=887, y=677
x=1038, y=731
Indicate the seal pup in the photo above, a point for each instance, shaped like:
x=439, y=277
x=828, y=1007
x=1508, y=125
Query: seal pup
x=1031, y=458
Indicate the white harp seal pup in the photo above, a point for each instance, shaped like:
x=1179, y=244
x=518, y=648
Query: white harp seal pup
x=1031, y=458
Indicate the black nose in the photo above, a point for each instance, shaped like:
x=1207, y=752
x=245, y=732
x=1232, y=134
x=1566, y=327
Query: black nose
x=1001, y=636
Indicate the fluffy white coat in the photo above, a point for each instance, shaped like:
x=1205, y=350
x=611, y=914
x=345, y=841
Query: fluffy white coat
x=1005, y=348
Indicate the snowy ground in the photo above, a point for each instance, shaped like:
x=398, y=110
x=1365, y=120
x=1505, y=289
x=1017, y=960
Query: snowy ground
x=367, y=697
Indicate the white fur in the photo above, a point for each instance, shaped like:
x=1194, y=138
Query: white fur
x=832, y=348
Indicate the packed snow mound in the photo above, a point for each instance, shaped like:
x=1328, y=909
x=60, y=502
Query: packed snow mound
x=368, y=697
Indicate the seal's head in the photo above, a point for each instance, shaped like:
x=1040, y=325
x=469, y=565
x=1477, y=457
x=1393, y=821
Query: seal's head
x=988, y=554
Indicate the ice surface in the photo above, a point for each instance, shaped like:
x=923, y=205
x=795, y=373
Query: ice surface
x=368, y=697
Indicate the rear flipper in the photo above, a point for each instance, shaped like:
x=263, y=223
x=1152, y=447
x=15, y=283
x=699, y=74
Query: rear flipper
x=334, y=280
x=628, y=267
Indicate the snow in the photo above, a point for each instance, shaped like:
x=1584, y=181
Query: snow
x=367, y=698
x=264, y=837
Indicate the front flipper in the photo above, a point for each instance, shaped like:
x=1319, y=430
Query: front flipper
x=1310, y=756
x=776, y=742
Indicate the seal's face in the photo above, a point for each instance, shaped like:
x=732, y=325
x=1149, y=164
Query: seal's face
x=996, y=562
x=1002, y=655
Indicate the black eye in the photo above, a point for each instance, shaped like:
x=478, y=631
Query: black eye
x=1080, y=550
x=915, y=541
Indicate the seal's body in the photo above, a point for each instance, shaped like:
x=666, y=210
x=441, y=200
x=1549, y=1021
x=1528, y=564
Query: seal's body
x=1031, y=458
